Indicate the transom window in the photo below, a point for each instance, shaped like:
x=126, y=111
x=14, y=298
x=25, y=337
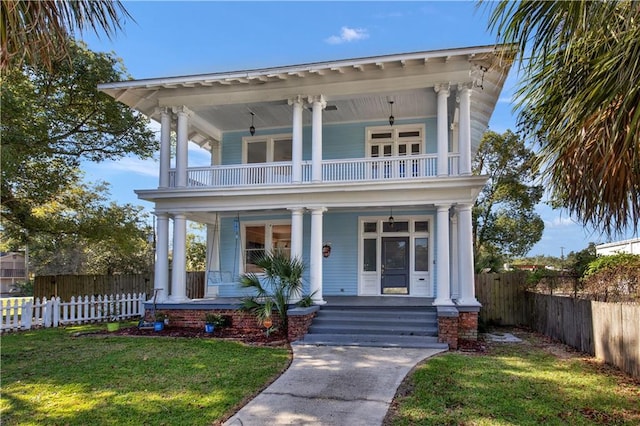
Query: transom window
x=267, y=149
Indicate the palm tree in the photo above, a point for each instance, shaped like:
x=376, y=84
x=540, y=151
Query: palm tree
x=579, y=101
x=38, y=31
x=282, y=281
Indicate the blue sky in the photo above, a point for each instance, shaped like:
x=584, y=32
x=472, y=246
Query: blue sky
x=183, y=38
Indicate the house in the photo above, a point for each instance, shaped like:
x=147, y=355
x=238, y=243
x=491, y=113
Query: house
x=361, y=167
x=631, y=246
x=12, y=271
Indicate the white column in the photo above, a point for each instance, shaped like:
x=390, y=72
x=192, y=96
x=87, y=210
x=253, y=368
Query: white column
x=465, y=257
x=296, y=232
x=443, y=296
x=465, y=129
x=316, y=138
x=161, y=279
x=179, y=271
x=182, y=152
x=165, y=147
x=443, y=129
x=213, y=255
x=296, y=149
x=315, y=253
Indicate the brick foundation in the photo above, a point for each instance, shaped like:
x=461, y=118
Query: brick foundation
x=448, y=331
x=299, y=325
x=244, y=322
x=468, y=326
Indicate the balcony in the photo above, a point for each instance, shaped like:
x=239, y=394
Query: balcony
x=333, y=171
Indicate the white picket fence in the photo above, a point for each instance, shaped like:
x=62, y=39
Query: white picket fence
x=24, y=315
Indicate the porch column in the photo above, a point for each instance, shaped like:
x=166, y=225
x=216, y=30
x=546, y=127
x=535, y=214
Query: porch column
x=182, y=148
x=165, y=147
x=296, y=232
x=161, y=279
x=316, y=255
x=213, y=255
x=296, y=150
x=179, y=273
x=443, y=296
x=443, y=130
x=316, y=139
x=465, y=128
x=465, y=257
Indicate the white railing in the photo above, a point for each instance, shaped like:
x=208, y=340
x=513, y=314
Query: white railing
x=343, y=170
x=24, y=315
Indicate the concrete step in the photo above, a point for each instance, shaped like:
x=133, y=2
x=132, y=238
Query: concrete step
x=373, y=340
x=380, y=316
x=401, y=329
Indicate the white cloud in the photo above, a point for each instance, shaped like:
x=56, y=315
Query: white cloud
x=348, y=35
x=132, y=165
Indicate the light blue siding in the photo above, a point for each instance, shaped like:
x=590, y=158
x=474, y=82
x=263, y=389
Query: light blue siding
x=340, y=270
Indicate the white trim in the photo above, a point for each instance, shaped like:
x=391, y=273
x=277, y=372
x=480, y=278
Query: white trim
x=365, y=278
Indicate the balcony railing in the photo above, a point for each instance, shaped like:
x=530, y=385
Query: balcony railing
x=345, y=170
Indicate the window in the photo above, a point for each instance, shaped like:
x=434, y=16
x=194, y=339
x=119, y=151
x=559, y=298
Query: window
x=263, y=238
x=370, y=257
x=396, y=141
x=421, y=253
x=267, y=149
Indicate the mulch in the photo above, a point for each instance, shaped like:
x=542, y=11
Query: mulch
x=276, y=338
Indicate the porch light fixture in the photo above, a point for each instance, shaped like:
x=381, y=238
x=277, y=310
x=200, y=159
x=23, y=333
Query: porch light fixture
x=392, y=119
x=252, y=129
x=391, y=220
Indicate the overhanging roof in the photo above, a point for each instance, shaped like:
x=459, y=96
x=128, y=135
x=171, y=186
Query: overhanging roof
x=356, y=89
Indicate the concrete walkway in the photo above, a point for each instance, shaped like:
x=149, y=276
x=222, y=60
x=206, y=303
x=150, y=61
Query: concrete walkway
x=332, y=385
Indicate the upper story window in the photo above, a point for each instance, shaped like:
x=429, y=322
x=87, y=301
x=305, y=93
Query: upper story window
x=395, y=141
x=266, y=149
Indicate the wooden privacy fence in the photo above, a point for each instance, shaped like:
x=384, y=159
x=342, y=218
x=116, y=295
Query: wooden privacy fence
x=502, y=298
x=609, y=331
x=26, y=314
x=66, y=286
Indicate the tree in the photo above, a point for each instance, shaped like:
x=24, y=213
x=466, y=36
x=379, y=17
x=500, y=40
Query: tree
x=37, y=32
x=51, y=121
x=86, y=234
x=196, y=253
x=504, y=218
x=580, y=101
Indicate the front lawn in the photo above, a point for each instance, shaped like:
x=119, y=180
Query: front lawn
x=51, y=377
x=530, y=383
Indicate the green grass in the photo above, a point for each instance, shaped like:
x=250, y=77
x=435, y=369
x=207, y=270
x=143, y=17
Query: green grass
x=516, y=384
x=51, y=377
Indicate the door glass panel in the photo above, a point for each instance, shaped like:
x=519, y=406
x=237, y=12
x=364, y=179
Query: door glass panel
x=410, y=134
x=370, y=227
x=402, y=149
x=387, y=150
x=254, y=247
x=421, y=253
x=282, y=150
x=375, y=151
x=370, y=255
x=415, y=149
x=395, y=255
x=257, y=152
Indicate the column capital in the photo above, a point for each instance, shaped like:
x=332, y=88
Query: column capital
x=163, y=110
x=296, y=209
x=464, y=207
x=442, y=207
x=161, y=215
x=465, y=87
x=182, y=110
x=318, y=99
x=442, y=88
x=298, y=99
x=317, y=210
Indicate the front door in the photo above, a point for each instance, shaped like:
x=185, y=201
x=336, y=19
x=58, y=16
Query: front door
x=395, y=265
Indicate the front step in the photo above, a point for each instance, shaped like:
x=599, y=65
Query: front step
x=408, y=327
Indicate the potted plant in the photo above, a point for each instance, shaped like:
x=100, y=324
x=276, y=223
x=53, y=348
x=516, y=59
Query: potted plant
x=160, y=319
x=211, y=321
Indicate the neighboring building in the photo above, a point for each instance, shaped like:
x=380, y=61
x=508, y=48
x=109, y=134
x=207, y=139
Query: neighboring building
x=631, y=246
x=12, y=271
x=370, y=156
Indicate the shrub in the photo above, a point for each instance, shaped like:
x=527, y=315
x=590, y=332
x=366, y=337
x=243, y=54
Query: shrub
x=613, y=278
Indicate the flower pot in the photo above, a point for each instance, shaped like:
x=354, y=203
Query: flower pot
x=113, y=326
x=209, y=328
x=158, y=326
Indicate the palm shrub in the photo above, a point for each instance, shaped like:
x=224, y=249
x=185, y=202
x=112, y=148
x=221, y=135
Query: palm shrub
x=281, y=281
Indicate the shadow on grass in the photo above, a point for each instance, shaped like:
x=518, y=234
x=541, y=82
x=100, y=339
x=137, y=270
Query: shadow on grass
x=50, y=377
